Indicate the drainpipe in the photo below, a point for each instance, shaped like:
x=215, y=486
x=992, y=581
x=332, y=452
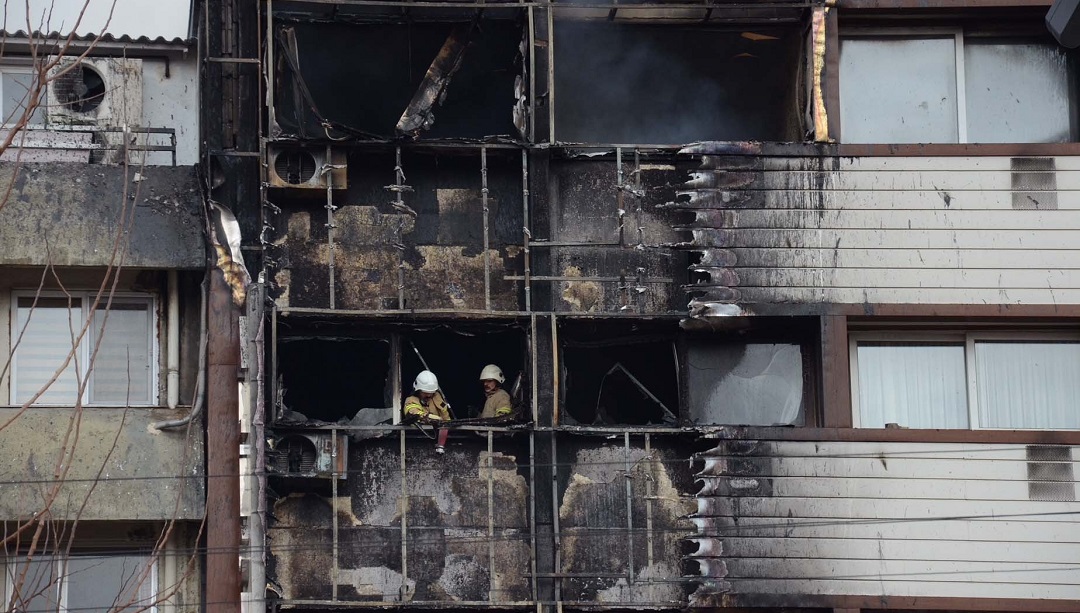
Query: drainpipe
x=172, y=385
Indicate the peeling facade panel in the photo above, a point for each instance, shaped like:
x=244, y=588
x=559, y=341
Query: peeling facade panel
x=805, y=519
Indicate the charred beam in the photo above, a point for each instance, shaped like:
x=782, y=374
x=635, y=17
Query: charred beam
x=420, y=115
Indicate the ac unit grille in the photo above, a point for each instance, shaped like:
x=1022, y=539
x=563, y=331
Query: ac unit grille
x=81, y=89
x=295, y=167
x=1050, y=473
x=294, y=455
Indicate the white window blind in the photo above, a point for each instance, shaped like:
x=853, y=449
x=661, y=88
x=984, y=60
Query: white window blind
x=976, y=380
x=124, y=369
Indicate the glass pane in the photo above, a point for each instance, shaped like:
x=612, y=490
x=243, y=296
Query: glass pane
x=1016, y=93
x=1028, y=385
x=913, y=385
x=45, y=344
x=750, y=385
x=122, y=367
x=109, y=583
x=898, y=90
x=32, y=585
x=16, y=87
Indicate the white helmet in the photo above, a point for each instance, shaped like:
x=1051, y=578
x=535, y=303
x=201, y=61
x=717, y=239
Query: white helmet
x=426, y=382
x=492, y=371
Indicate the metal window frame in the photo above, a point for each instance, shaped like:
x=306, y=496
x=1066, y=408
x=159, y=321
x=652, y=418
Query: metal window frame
x=14, y=67
x=86, y=298
x=966, y=339
x=8, y=563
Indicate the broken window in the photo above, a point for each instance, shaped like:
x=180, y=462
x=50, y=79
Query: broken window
x=327, y=378
x=457, y=356
x=436, y=80
x=617, y=373
x=620, y=83
x=952, y=87
x=745, y=384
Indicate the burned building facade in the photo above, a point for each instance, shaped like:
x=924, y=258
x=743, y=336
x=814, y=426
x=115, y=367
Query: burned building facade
x=782, y=292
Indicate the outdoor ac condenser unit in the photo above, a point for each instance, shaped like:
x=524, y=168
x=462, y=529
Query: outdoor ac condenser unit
x=102, y=92
x=305, y=168
x=308, y=454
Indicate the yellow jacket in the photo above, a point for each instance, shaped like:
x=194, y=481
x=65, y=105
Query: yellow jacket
x=433, y=408
x=497, y=404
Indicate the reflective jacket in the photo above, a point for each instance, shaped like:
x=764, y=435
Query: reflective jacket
x=435, y=406
x=497, y=404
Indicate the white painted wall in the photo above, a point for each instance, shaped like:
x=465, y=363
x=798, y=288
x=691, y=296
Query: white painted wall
x=893, y=519
x=173, y=102
x=944, y=230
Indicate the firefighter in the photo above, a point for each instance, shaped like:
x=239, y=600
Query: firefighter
x=428, y=402
x=498, y=401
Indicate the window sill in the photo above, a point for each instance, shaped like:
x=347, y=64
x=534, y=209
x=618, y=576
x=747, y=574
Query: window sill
x=957, y=150
x=902, y=435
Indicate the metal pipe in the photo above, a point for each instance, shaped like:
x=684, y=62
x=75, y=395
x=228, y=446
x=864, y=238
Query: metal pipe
x=328, y=172
x=256, y=524
x=399, y=180
x=197, y=401
x=534, y=392
x=551, y=73
x=619, y=195
x=487, y=244
x=172, y=343
x=555, y=372
x=532, y=79
x=532, y=505
x=557, y=536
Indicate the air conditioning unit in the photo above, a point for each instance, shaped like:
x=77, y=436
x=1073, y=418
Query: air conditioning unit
x=102, y=92
x=308, y=454
x=296, y=167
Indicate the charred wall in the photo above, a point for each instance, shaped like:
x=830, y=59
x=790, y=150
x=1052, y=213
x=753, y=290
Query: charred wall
x=433, y=238
x=445, y=552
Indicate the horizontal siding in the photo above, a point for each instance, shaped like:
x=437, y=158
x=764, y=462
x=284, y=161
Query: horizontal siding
x=887, y=519
x=886, y=230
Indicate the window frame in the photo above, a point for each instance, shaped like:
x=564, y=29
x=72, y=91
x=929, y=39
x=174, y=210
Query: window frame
x=86, y=300
x=959, y=35
x=62, y=587
x=966, y=338
x=11, y=67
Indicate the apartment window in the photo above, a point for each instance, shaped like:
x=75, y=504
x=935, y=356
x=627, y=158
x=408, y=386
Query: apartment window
x=120, y=338
x=948, y=87
x=15, y=85
x=967, y=380
x=85, y=583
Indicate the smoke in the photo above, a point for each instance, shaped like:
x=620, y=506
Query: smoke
x=673, y=84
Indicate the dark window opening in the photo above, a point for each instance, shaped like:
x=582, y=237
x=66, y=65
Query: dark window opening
x=457, y=357
x=618, y=83
x=618, y=373
x=359, y=79
x=81, y=89
x=327, y=378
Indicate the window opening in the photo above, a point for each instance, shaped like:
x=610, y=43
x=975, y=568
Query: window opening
x=15, y=87
x=619, y=374
x=458, y=356
x=327, y=378
x=90, y=582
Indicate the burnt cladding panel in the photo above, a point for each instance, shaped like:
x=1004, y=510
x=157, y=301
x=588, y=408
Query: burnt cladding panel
x=619, y=83
x=363, y=77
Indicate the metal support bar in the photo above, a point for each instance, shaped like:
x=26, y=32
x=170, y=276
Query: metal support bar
x=629, y=480
x=234, y=60
x=551, y=72
x=273, y=364
x=556, y=534
x=648, y=500
x=403, y=590
x=526, y=234
x=399, y=204
x=534, y=385
x=532, y=500
x=487, y=238
x=619, y=195
x=555, y=372
x=491, y=513
x=328, y=173
x=333, y=514
x=532, y=82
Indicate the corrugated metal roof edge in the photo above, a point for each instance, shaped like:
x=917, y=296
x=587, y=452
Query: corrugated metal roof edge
x=90, y=37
